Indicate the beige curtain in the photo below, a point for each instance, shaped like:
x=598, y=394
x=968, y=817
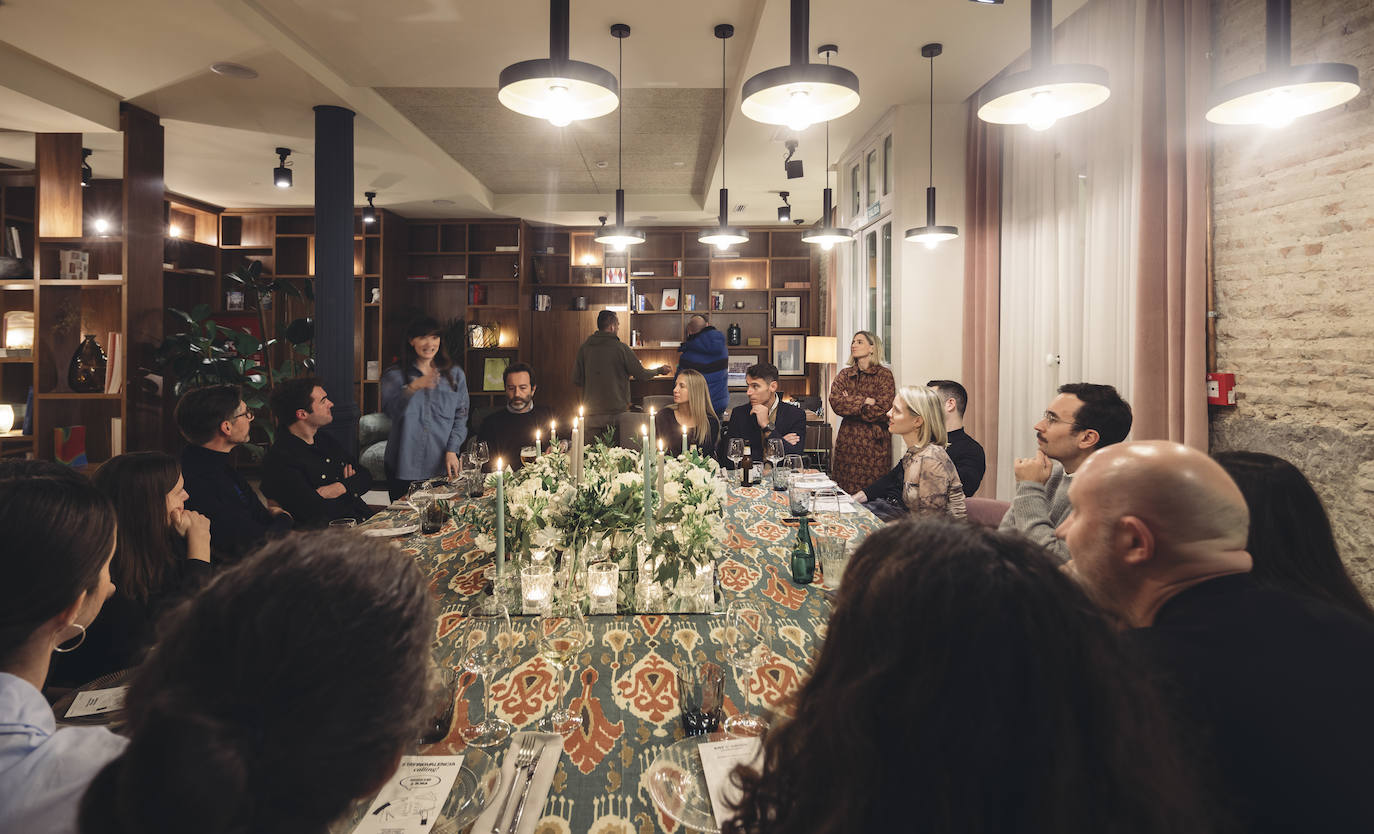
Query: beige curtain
x=1170, y=395
x=982, y=286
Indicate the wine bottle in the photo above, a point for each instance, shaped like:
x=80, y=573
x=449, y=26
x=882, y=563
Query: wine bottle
x=744, y=470
x=803, y=554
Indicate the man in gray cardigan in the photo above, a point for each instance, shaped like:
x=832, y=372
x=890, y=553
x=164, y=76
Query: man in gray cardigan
x=1082, y=419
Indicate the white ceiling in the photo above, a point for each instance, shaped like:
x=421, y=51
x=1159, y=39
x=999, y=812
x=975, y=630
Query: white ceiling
x=64, y=64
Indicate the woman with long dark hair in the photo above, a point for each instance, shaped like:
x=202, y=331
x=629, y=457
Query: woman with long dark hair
x=288, y=688
x=59, y=537
x=966, y=685
x=426, y=397
x=691, y=410
x=1291, y=541
x=163, y=555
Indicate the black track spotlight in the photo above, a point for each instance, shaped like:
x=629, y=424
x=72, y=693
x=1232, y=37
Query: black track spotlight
x=281, y=175
x=784, y=210
x=792, y=166
x=370, y=213
x=86, y=173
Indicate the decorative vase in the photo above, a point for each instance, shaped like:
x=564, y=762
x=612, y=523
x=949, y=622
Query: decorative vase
x=732, y=335
x=86, y=373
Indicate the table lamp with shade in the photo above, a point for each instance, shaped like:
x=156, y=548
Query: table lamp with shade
x=821, y=350
x=6, y=418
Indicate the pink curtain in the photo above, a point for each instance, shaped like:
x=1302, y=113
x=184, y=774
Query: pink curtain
x=1170, y=396
x=982, y=286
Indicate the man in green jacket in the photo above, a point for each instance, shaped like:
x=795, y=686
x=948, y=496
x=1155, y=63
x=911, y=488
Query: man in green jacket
x=603, y=370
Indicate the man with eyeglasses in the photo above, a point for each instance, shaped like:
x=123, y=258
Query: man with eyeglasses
x=214, y=420
x=1082, y=419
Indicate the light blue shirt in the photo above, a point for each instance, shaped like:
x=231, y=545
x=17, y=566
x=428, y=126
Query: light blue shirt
x=424, y=424
x=44, y=771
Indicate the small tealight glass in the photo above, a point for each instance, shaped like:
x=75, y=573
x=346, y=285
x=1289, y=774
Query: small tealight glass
x=536, y=588
x=344, y=523
x=603, y=580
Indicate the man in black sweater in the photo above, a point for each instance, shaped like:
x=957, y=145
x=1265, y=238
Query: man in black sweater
x=512, y=428
x=214, y=420
x=309, y=473
x=765, y=416
x=1274, y=689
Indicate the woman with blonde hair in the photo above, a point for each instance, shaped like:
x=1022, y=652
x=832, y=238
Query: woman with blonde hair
x=930, y=483
x=691, y=410
x=862, y=394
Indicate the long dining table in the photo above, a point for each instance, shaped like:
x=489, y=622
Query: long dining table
x=624, y=684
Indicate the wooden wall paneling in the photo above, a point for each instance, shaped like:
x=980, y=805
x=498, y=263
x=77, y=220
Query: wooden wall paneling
x=144, y=192
x=58, y=160
x=553, y=350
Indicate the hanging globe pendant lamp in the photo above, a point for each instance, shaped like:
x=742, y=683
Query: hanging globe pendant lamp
x=558, y=88
x=1283, y=92
x=802, y=93
x=1047, y=92
x=618, y=237
x=723, y=236
x=930, y=234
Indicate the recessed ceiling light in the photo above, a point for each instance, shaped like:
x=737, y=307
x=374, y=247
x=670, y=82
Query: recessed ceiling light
x=679, y=164
x=601, y=163
x=444, y=203
x=232, y=70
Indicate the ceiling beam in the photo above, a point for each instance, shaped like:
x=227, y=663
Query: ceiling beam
x=52, y=99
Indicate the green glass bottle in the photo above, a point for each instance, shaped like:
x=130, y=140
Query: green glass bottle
x=803, y=554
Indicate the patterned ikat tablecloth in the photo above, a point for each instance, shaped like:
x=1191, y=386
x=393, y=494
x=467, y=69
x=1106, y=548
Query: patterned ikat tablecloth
x=624, y=685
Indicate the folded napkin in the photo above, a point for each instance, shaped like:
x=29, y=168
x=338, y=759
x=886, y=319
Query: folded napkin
x=552, y=751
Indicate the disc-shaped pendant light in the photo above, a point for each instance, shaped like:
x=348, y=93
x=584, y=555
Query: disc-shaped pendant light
x=823, y=234
x=723, y=236
x=618, y=237
x=802, y=93
x=930, y=234
x=1047, y=92
x=1282, y=92
x=558, y=88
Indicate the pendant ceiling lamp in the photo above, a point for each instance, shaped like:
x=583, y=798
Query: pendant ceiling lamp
x=618, y=237
x=724, y=235
x=801, y=93
x=930, y=234
x=1283, y=92
x=825, y=235
x=558, y=88
x=1047, y=92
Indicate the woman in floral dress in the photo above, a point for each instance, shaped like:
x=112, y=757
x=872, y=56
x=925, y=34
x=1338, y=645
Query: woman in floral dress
x=861, y=394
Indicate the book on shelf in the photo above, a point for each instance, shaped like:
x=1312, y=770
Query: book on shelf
x=116, y=436
x=73, y=264
x=114, y=367
x=795, y=285
x=12, y=243
x=453, y=277
x=617, y=308
x=677, y=269
x=689, y=302
x=109, y=276
x=670, y=299
x=505, y=249
x=642, y=273
x=717, y=301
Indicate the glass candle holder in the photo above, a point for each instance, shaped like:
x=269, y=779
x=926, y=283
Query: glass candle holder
x=603, y=580
x=536, y=588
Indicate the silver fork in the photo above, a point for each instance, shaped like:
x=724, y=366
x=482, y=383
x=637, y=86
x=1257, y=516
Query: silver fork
x=524, y=758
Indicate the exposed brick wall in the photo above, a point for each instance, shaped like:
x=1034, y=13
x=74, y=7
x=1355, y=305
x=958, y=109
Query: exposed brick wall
x=1293, y=225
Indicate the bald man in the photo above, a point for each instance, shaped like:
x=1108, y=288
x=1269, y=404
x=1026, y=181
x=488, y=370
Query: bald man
x=703, y=349
x=1276, y=689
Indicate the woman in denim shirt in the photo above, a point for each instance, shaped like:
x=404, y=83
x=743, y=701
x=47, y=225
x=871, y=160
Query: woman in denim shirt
x=426, y=397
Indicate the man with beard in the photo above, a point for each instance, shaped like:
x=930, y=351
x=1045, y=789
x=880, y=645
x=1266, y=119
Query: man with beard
x=512, y=428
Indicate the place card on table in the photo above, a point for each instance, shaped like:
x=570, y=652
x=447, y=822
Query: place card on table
x=412, y=798
x=96, y=701
x=718, y=758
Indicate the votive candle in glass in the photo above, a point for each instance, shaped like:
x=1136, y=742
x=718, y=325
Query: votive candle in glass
x=603, y=580
x=536, y=587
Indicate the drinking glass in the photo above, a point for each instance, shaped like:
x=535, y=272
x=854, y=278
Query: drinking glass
x=476, y=482
x=795, y=463
x=444, y=694
x=344, y=523
x=488, y=645
x=773, y=452
x=481, y=454
x=527, y=455
x=734, y=450
x=831, y=553
x=701, y=696
x=746, y=633
x=562, y=635
x=798, y=498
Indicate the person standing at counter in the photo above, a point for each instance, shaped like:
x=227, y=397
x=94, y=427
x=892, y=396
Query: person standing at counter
x=861, y=394
x=426, y=397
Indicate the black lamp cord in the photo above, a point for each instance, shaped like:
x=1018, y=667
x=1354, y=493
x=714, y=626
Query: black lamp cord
x=930, y=170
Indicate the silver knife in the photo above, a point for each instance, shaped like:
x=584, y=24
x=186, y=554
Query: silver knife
x=525, y=792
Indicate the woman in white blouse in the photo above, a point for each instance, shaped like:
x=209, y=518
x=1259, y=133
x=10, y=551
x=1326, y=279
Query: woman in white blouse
x=59, y=536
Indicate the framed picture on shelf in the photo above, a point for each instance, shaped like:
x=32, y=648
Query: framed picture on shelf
x=735, y=367
x=789, y=353
x=493, y=373
x=615, y=275
x=670, y=299
x=787, y=312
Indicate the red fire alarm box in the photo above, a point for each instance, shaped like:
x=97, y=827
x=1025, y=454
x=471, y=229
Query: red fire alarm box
x=1221, y=389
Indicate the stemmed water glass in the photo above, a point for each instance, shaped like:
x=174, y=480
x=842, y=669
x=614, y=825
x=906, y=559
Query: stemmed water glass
x=488, y=647
x=734, y=450
x=774, y=451
x=562, y=634
x=478, y=453
x=747, y=627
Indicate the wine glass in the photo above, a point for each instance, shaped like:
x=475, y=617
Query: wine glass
x=562, y=634
x=794, y=463
x=488, y=645
x=479, y=453
x=774, y=451
x=747, y=627
x=734, y=450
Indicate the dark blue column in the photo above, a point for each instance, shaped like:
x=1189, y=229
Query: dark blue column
x=334, y=299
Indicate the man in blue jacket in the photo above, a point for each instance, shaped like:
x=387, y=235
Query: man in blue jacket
x=704, y=351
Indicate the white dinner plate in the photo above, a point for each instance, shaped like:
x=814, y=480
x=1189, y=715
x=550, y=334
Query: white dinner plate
x=389, y=532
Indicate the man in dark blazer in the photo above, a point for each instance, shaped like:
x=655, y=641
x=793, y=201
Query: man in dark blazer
x=765, y=416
